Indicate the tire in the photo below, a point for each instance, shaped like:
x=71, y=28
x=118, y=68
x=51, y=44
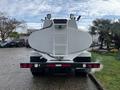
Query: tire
x=79, y=72
x=82, y=72
x=36, y=71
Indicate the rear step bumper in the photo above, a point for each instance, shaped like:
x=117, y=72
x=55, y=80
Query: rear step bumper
x=60, y=65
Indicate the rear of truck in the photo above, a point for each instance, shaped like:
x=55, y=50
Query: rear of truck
x=59, y=47
x=80, y=65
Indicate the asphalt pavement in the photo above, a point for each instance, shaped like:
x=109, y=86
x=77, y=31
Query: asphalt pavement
x=12, y=77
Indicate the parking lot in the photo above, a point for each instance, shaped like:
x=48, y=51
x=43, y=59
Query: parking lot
x=12, y=77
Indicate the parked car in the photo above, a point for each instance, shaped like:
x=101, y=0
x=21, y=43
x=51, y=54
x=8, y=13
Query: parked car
x=20, y=43
x=0, y=45
x=9, y=44
x=12, y=43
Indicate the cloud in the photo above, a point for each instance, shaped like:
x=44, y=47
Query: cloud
x=82, y=28
x=34, y=10
x=84, y=7
x=34, y=25
x=103, y=7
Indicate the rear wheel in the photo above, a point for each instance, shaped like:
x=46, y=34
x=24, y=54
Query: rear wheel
x=84, y=71
x=36, y=71
x=79, y=72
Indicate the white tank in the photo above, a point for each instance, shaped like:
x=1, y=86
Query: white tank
x=60, y=37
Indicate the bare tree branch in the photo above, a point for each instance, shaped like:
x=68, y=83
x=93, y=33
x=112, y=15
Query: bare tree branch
x=8, y=25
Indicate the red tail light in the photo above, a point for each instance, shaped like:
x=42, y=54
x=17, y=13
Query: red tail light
x=51, y=65
x=93, y=65
x=66, y=65
x=26, y=65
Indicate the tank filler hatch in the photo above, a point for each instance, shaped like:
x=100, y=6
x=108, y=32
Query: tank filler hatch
x=60, y=24
x=60, y=21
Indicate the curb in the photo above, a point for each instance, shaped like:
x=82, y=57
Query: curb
x=96, y=82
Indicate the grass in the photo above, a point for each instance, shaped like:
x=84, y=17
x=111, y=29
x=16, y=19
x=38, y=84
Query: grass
x=109, y=76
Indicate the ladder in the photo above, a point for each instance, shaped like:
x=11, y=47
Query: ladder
x=60, y=42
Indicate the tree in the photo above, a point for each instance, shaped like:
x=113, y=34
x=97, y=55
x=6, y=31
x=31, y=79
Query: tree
x=7, y=26
x=14, y=35
x=116, y=33
x=92, y=32
x=102, y=26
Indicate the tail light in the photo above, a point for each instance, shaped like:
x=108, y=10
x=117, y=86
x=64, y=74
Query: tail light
x=66, y=65
x=26, y=65
x=93, y=65
x=51, y=65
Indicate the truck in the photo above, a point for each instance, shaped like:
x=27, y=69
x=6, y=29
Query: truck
x=60, y=47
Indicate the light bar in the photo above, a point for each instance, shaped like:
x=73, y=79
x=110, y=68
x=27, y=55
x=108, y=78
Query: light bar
x=63, y=65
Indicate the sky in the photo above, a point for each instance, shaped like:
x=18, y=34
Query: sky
x=32, y=11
